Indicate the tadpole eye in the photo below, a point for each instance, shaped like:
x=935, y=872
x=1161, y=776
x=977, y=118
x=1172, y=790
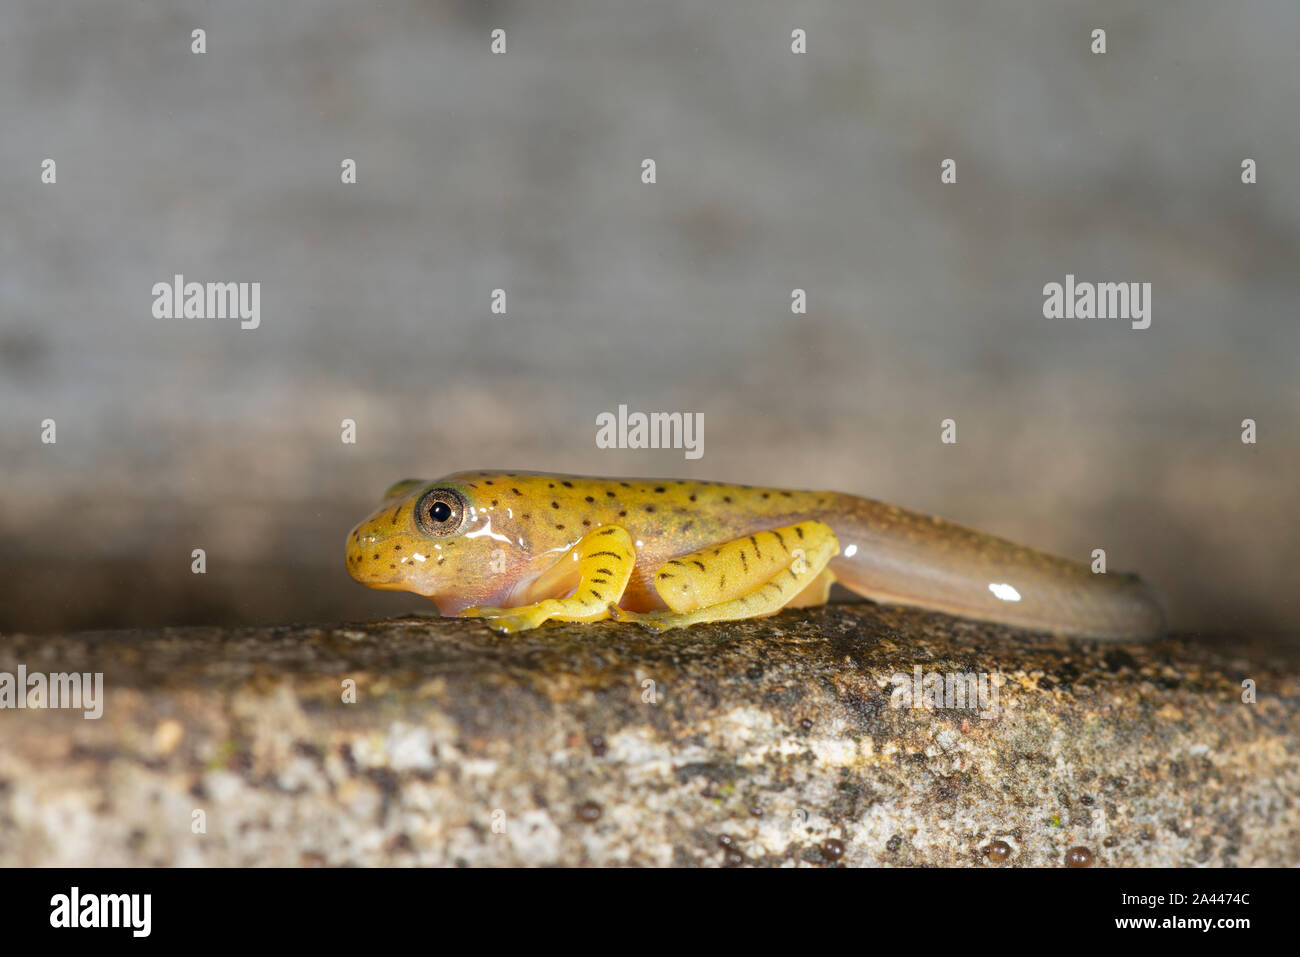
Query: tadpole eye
x=441, y=512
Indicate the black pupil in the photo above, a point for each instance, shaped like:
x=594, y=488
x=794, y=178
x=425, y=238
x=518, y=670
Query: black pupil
x=440, y=512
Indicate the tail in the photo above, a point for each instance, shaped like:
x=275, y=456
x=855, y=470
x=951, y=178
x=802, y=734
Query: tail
x=895, y=556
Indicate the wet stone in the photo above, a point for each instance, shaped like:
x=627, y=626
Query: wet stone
x=436, y=741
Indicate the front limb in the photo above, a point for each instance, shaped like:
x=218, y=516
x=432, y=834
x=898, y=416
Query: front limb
x=592, y=574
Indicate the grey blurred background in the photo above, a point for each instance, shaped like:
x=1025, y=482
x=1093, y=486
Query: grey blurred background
x=522, y=171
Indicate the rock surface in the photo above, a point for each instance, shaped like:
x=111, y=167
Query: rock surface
x=777, y=742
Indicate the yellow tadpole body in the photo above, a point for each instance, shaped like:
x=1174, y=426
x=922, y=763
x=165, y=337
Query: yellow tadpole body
x=519, y=548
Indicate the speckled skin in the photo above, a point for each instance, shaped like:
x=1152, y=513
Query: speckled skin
x=520, y=524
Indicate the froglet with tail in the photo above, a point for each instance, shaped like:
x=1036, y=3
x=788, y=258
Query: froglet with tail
x=520, y=548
